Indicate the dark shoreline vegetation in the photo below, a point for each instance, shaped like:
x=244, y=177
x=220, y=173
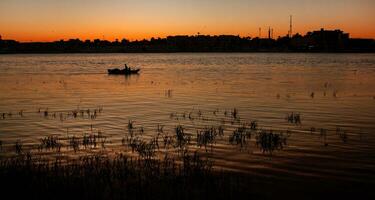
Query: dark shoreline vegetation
x=174, y=163
x=316, y=41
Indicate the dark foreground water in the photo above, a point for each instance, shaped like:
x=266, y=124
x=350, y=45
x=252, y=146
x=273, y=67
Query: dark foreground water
x=334, y=95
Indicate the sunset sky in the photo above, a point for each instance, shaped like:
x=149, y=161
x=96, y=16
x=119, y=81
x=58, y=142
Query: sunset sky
x=48, y=20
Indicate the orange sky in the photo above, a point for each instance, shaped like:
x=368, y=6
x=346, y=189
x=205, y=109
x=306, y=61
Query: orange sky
x=48, y=20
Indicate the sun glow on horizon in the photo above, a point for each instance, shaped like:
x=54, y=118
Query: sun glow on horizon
x=52, y=20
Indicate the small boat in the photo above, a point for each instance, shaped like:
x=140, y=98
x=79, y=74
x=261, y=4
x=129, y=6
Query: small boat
x=117, y=71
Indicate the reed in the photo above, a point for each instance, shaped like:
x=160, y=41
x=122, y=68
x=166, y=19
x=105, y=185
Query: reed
x=50, y=143
x=268, y=141
x=168, y=141
x=323, y=135
x=119, y=177
x=294, y=118
x=178, y=168
x=235, y=113
x=20, y=113
x=160, y=128
x=18, y=147
x=45, y=112
x=74, y=143
x=342, y=134
x=240, y=136
x=182, y=139
x=206, y=137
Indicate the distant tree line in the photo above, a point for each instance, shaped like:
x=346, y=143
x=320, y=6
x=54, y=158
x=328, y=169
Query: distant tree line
x=316, y=41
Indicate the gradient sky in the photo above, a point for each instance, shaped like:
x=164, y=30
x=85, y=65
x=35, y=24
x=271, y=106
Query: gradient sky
x=47, y=20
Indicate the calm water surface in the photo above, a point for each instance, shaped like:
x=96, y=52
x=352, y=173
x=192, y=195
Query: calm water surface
x=329, y=91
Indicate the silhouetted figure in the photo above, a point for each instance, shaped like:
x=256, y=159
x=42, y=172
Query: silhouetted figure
x=126, y=67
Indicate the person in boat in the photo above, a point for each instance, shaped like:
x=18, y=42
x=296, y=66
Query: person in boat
x=127, y=68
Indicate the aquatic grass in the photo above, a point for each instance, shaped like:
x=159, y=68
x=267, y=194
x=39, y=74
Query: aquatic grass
x=206, y=137
x=50, y=143
x=342, y=134
x=45, y=112
x=20, y=113
x=195, y=164
x=146, y=150
x=294, y=118
x=254, y=125
x=160, y=128
x=99, y=176
x=74, y=143
x=182, y=139
x=220, y=130
x=268, y=141
x=323, y=135
x=168, y=93
x=240, y=136
x=143, y=166
x=130, y=125
x=93, y=140
x=168, y=141
x=18, y=147
x=235, y=113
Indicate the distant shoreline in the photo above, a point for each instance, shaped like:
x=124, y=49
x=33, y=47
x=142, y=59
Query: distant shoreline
x=321, y=41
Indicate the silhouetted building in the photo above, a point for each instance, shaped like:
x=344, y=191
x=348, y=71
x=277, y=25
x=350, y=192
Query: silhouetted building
x=327, y=40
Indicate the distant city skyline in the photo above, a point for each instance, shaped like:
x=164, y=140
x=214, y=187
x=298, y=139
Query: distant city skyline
x=50, y=20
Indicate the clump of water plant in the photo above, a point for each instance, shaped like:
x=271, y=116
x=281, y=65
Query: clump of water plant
x=46, y=112
x=268, y=141
x=235, y=113
x=342, y=134
x=146, y=150
x=195, y=164
x=323, y=135
x=160, y=128
x=18, y=147
x=93, y=140
x=74, y=143
x=253, y=125
x=182, y=139
x=240, y=136
x=168, y=141
x=294, y=118
x=168, y=93
x=130, y=125
x=207, y=137
x=50, y=143
x=20, y=113
x=100, y=176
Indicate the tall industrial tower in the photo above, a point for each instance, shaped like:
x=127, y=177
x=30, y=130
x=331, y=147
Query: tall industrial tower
x=291, y=27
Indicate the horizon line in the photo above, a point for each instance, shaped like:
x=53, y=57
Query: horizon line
x=165, y=37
